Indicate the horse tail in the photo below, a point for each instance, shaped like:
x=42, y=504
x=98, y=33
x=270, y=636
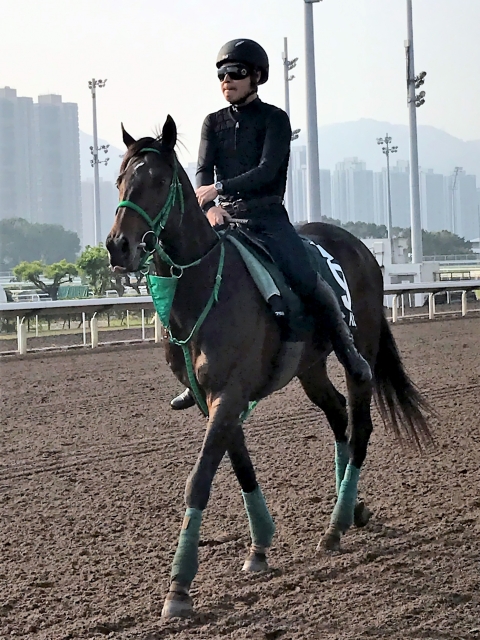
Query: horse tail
x=401, y=405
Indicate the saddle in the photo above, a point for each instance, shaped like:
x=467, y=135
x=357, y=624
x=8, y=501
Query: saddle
x=284, y=302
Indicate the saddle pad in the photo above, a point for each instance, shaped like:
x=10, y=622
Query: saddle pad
x=332, y=272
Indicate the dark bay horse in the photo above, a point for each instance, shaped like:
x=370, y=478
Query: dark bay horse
x=225, y=329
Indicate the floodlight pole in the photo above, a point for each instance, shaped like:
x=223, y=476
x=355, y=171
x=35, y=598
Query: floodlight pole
x=92, y=85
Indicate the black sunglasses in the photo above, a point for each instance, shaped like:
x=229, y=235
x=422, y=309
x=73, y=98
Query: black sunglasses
x=234, y=72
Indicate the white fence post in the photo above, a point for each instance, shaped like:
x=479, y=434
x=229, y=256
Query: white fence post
x=36, y=326
x=158, y=329
x=464, y=303
x=394, y=308
x=143, y=324
x=431, y=306
x=94, y=330
x=84, y=328
x=21, y=336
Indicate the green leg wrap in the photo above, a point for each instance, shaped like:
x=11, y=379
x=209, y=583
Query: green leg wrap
x=262, y=526
x=185, y=562
x=342, y=516
x=342, y=456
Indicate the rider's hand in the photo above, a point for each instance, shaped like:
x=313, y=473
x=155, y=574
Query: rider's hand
x=206, y=194
x=217, y=215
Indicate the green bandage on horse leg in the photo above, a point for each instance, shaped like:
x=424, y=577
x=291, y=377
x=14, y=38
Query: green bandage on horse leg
x=262, y=527
x=342, y=456
x=342, y=516
x=185, y=561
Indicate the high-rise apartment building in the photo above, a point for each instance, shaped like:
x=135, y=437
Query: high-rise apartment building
x=58, y=151
x=108, y=206
x=298, y=160
x=352, y=192
x=462, y=209
x=400, y=195
x=40, y=160
x=326, y=192
x=18, y=178
x=433, y=204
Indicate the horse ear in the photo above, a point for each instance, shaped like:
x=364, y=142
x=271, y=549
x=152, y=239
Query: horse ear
x=169, y=134
x=127, y=138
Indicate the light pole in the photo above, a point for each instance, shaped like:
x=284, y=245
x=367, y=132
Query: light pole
x=454, y=186
x=414, y=101
x=288, y=65
x=92, y=85
x=387, y=150
x=313, y=165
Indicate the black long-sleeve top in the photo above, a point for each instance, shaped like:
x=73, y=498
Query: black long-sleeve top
x=248, y=149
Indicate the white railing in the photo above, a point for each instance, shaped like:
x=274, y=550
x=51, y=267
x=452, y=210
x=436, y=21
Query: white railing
x=22, y=311
x=473, y=258
x=397, y=291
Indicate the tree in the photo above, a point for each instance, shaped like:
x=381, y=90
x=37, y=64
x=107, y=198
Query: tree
x=360, y=229
x=438, y=243
x=58, y=272
x=441, y=243
x=94, y=263
x=22, y=241
x=366, y=229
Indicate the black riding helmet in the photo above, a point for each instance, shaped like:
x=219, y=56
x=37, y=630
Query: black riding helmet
x=249, y=52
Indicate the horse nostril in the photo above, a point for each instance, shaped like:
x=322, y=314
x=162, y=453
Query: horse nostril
x=123, y=245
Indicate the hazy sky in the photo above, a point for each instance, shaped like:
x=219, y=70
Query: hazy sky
x=159, y=57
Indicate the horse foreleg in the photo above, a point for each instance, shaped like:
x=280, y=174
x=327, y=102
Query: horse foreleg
x=222, y=422
x=262, y=527
x=349, y=459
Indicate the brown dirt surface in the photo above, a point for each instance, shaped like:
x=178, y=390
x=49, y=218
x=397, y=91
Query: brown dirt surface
x=93, y=465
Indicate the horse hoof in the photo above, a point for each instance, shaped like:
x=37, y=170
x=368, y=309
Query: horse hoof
x=330, y=541
x=361, y=514
x=255, y=563
x=177, y=605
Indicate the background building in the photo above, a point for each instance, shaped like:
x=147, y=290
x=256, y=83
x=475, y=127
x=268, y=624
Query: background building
x=352, y=192
x=18, y=162
x=108, y=206
x=40, y=160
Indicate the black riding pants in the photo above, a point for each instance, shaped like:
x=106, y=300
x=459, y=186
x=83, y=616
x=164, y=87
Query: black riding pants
x=275, y=231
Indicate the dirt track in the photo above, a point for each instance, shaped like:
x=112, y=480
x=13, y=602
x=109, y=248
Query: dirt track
x=92, y=471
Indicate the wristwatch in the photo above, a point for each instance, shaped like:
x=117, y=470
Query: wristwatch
x=219, y=187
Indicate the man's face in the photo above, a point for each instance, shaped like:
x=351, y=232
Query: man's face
x=235, y=82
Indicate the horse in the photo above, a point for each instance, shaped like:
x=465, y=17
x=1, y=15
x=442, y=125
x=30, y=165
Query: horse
x=224, y=342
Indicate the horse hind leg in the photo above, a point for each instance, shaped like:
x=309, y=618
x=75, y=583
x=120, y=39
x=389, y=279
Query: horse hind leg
x=348, y=510
x=322, y=393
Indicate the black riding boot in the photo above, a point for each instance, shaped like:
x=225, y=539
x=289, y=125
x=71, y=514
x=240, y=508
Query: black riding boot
x=326, y=308
x=184, y=401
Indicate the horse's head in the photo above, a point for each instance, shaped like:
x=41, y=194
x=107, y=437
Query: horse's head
x=150, y=190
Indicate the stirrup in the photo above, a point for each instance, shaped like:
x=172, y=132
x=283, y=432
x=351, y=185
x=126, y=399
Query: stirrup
x=184, y=401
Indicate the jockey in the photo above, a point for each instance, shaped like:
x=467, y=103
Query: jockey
x=243, y=158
